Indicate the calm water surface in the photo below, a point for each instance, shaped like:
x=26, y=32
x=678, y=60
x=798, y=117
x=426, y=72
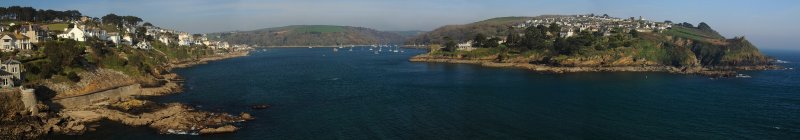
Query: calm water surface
x=319, y=94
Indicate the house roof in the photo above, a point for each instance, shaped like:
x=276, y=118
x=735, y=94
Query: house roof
x=13, y=36
x=4, y=74
x=20, y=36
x=11, y=61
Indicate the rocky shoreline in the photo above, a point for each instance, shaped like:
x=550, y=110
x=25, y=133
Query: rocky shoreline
x=715, y=72
x=166, y=118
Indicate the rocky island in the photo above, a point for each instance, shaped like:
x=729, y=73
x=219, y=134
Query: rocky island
x=590, y=43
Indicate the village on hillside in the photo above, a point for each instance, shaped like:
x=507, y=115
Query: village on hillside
x=597, y=24
x=22, y=32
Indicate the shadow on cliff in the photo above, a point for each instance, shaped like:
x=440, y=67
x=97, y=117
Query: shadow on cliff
x=45, y=95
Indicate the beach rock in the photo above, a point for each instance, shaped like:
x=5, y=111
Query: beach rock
x=246, y=116
x=223, y=129
x=78, y=128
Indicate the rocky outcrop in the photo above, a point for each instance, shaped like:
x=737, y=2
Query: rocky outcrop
x=91, y=82
x=169, y=119
x=712, y=72
x=204, y=60
x=223, y=129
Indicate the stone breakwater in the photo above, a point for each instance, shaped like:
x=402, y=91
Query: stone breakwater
x=711, y=72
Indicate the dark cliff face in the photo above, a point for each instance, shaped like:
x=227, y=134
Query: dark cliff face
x=734, y=52
x=309, y=35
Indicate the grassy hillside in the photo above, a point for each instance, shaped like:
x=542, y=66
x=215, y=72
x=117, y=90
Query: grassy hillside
x=408, y=34
x=309, y=35
x=314, y=28
x=492, y=27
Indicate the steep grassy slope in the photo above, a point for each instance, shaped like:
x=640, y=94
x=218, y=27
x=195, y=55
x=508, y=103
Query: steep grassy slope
x=496, y=26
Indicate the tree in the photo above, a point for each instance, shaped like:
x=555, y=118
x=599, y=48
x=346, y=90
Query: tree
x=686, y=24
x=554, y=28
x=72, y=76
x=131, y=20
x=479, y=41
x=535, y=38
x=512, y=39
x=60, y=54
x=492, y=42
x=141, y=32
x=112, y=19
x=561, y=45
x=704, y=27
x=147, y=24
x=634, y=33
x=450, y=45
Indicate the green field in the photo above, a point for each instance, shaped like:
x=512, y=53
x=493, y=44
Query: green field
x=57, y=26
x=689, y=33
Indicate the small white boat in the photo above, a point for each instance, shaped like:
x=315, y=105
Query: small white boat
x=310, y=47
x=743, y=76
x=335, y=50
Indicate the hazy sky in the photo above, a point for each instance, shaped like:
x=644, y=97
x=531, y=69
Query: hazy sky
x=767, y=23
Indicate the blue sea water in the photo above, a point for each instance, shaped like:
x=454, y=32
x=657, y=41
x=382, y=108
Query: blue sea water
x=320, y=94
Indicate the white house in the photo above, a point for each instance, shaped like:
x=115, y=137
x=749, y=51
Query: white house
x=143, y=45
x=73, y=33
x=466, y=46
x=114, y=37
x=11, y=42
x=34, y=33
x=164, y=39
x=184, y=39
x=10, y=73
x=567, y=32
x=127, y=39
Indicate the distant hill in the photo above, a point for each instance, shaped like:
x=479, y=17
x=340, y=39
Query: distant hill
x=408, y=34
x=309, y=35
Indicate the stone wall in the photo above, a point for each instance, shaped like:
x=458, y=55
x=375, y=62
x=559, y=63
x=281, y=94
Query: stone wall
x=29, y=100
x=102, y=97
